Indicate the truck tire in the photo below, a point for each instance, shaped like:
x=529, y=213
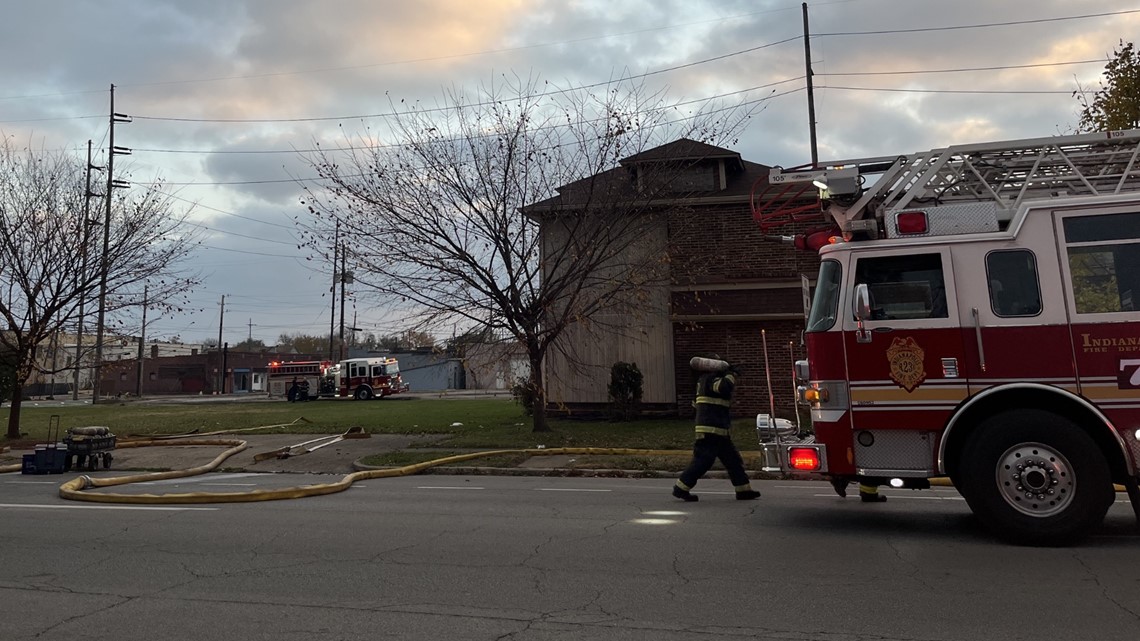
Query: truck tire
x=1035, y=478
x=363, y=393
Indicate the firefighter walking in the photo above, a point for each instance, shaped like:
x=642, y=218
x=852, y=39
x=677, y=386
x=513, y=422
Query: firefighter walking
x=712, y=424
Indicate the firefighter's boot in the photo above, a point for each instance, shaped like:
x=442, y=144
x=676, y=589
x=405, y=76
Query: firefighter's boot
x=684, y=494
x=840, y=487
x=870, y=494
x=746, y=493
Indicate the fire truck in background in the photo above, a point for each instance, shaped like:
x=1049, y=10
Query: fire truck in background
x=976, y=316
x=309, y=377
x=366, y=378
x=360, y=378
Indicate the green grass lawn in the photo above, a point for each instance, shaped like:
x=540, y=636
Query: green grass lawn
x=470, y=423
x=465, y=424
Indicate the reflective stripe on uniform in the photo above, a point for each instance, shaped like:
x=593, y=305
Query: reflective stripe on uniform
x=712, y=400
x=728, y=377
x=708, y=429
x=683, y=486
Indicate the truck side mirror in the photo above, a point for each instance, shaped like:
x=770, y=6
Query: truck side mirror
x=861, y=308
x=861, y=303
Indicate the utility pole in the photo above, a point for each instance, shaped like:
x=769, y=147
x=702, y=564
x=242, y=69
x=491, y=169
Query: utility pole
x=250, y=331
x=87, y=223
x=105, y=266
x=221, y=320
x=343, y=277
x=332, y=313
x=142, y=343
x=810, y=90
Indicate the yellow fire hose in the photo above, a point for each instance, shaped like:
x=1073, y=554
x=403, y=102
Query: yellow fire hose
x=75, y=488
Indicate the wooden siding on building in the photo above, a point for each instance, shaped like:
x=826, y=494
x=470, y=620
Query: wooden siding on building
x=583, y=375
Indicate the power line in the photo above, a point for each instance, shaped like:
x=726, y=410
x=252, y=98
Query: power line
x=318, y=179
x=228, y=213
x=975, y=26
x=393, y=145
x=474, y=104
x=952, y=91
x=963, y=69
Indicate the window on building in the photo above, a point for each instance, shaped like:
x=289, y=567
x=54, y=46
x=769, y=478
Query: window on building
x=904, y=287
x=1015, y=289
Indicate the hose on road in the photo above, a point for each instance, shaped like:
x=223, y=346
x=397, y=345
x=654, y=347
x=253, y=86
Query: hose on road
x=75, y=489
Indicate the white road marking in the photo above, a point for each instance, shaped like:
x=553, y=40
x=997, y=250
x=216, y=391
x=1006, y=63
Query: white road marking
x=447, y=487
x=231, y=484
x=905, y=498
x=33, y=482
x=203, y=479
x=567, y=489
x=104, y=507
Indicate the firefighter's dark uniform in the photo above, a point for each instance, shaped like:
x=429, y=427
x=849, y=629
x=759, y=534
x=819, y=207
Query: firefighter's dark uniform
x=713, y=422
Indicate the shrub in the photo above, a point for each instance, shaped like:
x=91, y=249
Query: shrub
x=523, y=393
x=625, y=391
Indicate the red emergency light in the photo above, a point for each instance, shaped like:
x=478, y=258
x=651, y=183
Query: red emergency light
x=911, y=222
x=815, y=239
x=804, y=459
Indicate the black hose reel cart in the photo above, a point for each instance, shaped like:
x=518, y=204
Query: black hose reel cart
x=87, y=446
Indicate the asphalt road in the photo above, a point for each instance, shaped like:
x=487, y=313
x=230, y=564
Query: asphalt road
x=534, y=558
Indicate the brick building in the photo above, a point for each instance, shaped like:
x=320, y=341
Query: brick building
x=726, y=283
x=200, y=373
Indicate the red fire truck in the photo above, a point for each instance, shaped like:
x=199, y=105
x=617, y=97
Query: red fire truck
x=367, y=378
x=976, y=316
x=307, y=375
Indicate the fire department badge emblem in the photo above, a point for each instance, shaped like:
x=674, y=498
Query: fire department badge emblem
x=906, y=360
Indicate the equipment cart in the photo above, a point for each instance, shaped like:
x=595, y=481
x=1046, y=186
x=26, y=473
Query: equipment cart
x=87, y=446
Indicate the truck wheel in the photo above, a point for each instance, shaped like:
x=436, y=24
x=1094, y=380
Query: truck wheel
x=363, y=394
x=1035, y=478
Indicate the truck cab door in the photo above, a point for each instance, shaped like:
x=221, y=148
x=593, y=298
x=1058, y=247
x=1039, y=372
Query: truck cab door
x=1100, y=259
x=905, y=358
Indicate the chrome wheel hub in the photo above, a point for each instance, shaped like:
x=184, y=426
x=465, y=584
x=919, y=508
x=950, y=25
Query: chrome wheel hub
x=1035, y=479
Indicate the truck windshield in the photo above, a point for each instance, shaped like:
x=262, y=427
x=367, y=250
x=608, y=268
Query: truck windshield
x=825, y=302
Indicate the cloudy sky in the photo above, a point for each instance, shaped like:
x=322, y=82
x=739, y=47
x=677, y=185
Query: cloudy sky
x=224, y=92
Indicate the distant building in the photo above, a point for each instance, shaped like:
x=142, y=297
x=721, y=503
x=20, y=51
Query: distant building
x=210, y=372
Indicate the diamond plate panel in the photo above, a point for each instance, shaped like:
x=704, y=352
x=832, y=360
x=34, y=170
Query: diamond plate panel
x=895, y=450
x=947, y=220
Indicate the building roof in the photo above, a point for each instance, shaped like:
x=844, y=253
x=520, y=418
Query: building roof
x=682, y=149
x=620, y=183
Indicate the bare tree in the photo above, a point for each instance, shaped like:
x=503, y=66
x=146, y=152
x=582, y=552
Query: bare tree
x=51, y=257
x=509, y=210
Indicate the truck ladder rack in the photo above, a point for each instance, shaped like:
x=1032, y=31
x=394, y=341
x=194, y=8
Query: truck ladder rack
x=1006, y=173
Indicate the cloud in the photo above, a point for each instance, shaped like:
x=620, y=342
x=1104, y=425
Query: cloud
x=310, y=71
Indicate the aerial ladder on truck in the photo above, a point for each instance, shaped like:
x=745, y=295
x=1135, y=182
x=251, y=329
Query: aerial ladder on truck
x=1001, y=175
